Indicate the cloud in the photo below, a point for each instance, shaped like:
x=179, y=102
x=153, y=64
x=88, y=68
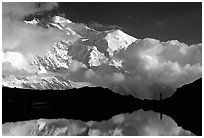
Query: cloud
x=89, y=74
x=28, y=39
x=103, y=76
x=169, y=64
x=75, y=66
x=151, y=67
x=103, y=27
x=16, y=59
x=118, y=77
x=25, y=41
x=18, y=10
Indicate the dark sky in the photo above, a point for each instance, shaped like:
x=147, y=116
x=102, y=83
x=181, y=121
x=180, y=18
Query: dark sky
x=163, y=21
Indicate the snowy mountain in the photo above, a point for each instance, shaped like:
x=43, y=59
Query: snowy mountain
x=111, y=59
x=85, y=45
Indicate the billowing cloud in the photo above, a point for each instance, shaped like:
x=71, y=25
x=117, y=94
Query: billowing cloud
x=164, y=62
x=151, y=67
x=21, y=41
x=16, y=59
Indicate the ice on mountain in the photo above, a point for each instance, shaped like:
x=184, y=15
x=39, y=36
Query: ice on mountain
x=61, y=20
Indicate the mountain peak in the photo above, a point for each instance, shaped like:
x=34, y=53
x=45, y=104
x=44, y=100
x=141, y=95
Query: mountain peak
x=117, y=39
x=61, y=20
x=118, y=32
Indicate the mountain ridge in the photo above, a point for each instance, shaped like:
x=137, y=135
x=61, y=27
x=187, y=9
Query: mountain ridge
x=88, y=51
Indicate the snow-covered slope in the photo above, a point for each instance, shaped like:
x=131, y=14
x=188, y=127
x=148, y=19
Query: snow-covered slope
x=42, y=82
x=83, y=44
x=118, y=40
x=87, y=46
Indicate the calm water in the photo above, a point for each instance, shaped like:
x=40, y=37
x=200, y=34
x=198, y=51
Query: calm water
x=86, y=104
